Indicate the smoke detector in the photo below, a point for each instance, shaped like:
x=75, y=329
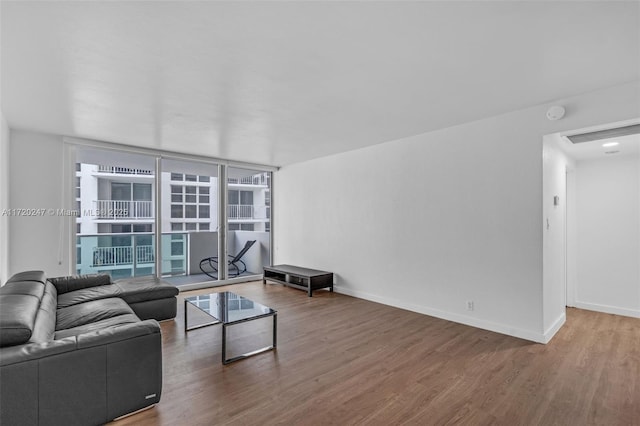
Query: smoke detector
x=556, y=112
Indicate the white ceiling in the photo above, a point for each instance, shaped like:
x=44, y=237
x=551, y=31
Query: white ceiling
x=281, y=82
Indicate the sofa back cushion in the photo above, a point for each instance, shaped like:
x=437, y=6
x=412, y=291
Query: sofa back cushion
x=37, y=276
x=17, y=318
x=19, y=304
x=25, y=288
x=45, y=325
x=78, y=282
x=27, y=309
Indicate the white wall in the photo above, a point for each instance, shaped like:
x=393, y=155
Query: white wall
x=36, y=182
x=4, y=199
x=432, y=221
x=608, y=235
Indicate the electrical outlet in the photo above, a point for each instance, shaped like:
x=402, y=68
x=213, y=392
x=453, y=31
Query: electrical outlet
x=469, y=305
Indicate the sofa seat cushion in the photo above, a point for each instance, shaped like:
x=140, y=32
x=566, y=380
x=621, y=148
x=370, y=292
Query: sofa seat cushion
x=134, y=290
x=89, y=312
x=88, y=294
x=98, y=325
x=17, y=318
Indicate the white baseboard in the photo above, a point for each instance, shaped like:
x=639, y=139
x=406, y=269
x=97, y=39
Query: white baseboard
x=551, y=331
x=634, y=313
x=450, y=316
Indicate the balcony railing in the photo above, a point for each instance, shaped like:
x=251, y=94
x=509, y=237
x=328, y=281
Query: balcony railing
x=124, y=170
x=115, y=209
x=114, y=256
x=248, y=211
x=240, y=211
x=145, y=254
x=134, y=254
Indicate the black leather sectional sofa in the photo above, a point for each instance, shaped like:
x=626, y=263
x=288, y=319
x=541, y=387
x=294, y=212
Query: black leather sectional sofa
x=80, y=350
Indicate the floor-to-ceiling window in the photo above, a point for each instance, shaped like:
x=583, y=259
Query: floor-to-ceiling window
x=126, y=201
x=116, y=213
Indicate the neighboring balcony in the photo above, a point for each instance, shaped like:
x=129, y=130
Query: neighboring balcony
x=124, y=170
x=115, y=209
x=261, y=179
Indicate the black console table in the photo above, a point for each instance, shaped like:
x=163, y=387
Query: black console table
x=300, y=278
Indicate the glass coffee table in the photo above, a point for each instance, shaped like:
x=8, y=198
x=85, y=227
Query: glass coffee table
x=228, y=308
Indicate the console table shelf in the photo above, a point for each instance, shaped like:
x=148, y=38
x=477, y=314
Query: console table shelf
x=297, y=277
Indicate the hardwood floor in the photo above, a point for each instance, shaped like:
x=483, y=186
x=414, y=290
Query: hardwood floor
x=343, y=361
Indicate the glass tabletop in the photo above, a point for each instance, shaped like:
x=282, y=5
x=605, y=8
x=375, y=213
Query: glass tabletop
x=228, y=307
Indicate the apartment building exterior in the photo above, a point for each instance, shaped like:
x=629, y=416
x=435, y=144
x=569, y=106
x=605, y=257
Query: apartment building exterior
x=116, y=216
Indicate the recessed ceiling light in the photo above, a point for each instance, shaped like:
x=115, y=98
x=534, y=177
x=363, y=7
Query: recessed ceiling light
x=610, y=144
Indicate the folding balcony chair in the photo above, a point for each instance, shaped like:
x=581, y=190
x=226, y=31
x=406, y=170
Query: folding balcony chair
x=209, y=265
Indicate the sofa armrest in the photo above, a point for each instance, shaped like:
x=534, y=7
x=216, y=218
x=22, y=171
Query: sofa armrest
x=78, y=282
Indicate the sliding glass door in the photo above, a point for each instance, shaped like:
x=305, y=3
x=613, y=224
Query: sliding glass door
x=248, y=221
x=189, y=221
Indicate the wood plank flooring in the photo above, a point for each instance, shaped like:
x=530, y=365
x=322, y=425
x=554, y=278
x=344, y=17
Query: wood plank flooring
x=346, y=361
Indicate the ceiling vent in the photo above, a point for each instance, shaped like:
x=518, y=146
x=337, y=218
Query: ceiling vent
x=605, y=134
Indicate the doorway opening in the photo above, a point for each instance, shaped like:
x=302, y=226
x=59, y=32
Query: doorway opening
x=591, y=222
